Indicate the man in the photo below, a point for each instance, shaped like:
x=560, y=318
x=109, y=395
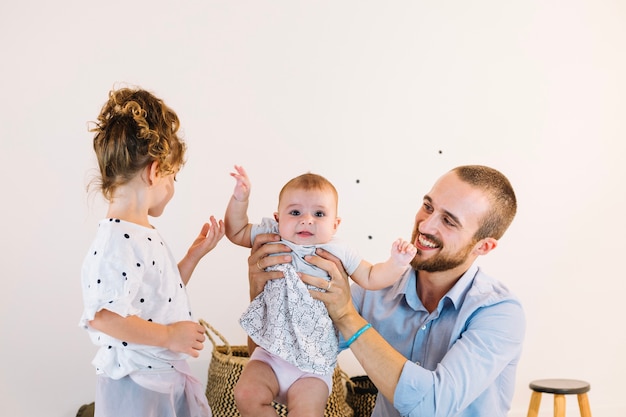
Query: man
x=445, y=340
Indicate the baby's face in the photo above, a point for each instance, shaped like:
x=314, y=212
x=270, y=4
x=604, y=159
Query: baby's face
x=307, y=217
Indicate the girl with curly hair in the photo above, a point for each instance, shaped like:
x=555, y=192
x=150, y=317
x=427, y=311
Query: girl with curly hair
x=136, y=308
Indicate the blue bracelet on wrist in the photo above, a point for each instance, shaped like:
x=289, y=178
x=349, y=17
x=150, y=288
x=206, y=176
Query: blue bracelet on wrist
x=355, y=336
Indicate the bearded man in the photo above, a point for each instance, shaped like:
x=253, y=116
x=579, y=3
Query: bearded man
x=444, y=340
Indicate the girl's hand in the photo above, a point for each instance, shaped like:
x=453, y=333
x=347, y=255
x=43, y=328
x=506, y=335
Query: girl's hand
x=208, y=238
x=186, y=337
x=183, y=336
x=204, y=243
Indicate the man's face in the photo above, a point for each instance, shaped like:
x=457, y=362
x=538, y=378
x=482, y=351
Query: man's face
x=446, y=223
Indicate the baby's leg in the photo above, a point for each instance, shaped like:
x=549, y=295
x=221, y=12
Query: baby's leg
x=307, y=397
x=255, y=390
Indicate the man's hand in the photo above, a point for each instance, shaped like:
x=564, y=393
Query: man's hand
x=336, y=292
x=259, y=259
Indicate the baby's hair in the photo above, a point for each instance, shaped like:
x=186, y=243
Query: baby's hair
x=134, y=129
x=307, y=182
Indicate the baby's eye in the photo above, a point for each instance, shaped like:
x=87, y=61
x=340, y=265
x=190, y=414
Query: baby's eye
x=294, y=212
x=319, y=214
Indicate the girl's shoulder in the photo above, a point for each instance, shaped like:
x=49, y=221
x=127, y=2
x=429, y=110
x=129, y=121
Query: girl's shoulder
x=117, y=235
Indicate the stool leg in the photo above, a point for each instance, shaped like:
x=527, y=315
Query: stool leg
x=583, y=403
x=535, y=402
x=559, y=405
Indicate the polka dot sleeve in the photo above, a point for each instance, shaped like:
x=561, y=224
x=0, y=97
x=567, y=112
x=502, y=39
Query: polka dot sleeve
x=112, y=275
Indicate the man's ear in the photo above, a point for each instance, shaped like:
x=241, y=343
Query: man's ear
x=486, y=245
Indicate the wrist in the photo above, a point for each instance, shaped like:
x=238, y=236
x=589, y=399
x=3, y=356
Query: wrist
x=244, y=200
x=187, y=265
x=399, y=263
x=349, y=324
x=355, y=336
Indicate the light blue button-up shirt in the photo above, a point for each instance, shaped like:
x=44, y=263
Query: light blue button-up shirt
x=462, y=357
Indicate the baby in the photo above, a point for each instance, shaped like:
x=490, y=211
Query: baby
x=297, y=343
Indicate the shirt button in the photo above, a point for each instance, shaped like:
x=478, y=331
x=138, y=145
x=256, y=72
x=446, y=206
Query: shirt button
x=424, y=327
x=418, y=363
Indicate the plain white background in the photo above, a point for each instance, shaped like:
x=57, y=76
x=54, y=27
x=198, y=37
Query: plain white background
x=380, y=97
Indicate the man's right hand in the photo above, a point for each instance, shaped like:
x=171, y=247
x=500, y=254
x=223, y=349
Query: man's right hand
x=259, y=259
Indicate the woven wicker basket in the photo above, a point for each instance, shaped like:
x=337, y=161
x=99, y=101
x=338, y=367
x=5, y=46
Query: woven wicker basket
x=227, y=362
x=361, y=395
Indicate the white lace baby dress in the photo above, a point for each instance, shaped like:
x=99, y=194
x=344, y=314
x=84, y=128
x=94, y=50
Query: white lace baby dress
x=286, y=321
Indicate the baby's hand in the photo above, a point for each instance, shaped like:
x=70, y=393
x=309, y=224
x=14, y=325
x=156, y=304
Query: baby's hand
x=403, y=252
x=242, y=188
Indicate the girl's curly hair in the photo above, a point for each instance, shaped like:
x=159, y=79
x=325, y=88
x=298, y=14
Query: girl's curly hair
x=134, y=129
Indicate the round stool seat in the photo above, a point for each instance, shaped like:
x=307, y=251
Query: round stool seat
x=560, y=386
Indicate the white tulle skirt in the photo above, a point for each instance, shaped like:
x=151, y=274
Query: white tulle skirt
x=151, y=394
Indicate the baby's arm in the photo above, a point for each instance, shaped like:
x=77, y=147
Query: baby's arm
x=183, y=336
x=381, y=275
x=236, y=218
x=208, y=238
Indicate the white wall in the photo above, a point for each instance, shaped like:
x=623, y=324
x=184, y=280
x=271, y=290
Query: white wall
x=392, y=94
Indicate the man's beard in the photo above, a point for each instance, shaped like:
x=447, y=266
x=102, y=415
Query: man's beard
x=440, y=262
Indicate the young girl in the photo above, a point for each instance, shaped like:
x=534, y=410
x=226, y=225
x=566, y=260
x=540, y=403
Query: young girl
x=297, y=344
x=135, y=302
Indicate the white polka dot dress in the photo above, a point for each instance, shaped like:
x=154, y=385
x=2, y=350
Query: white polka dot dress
x=129, y=270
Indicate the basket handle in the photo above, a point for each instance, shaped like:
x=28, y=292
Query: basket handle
x=346, y=378
x=208, y=327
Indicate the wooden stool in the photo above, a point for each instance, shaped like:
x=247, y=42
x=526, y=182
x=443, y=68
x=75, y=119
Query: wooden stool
x=560, y=388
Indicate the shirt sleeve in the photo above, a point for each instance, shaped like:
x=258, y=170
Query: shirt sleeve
x=267, y=225
x=492, y=341
x=112, y=281
x=349, y=255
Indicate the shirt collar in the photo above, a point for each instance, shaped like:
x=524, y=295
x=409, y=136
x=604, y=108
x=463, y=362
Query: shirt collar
x=457, y=293
x=407, y=286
